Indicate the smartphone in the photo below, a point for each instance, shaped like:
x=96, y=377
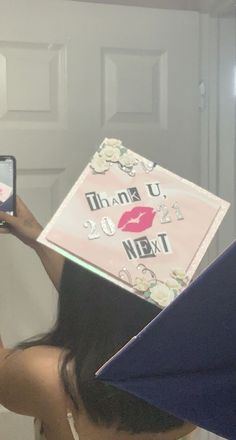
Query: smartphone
x=7, y=186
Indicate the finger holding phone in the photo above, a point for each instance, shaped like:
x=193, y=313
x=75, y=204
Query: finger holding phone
x=15, y=217
x=7, y=186
x=20, y=222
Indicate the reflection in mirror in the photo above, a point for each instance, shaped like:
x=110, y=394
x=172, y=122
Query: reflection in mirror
x=158, y=74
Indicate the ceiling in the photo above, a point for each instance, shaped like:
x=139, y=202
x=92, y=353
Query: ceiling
x=218, y=7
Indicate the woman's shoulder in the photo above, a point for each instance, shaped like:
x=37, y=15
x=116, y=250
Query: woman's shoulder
x=30, y=382
x=54, y=404
x=44, y=363
x=25, y=375
x=30, y=385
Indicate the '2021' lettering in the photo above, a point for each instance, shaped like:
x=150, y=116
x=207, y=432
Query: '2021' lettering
x=109, y=228
x=164, y=213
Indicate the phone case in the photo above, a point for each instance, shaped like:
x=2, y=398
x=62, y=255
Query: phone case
x=6, y=190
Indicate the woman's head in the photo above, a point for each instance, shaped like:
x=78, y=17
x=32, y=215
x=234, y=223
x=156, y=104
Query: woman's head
x=95, y=319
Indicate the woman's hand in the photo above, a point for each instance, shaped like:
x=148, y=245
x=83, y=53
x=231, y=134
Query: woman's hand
x=24, y=226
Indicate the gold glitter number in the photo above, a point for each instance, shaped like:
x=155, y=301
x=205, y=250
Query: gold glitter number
x=178, y=213
x=108, y=226
x=164, y=214
x=93, y=235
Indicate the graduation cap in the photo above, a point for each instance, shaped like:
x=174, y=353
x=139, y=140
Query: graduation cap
x=135, y=223
x=146, y=229
x=184, y=361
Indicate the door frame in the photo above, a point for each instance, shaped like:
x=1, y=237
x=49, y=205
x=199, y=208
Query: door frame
x=217, y=132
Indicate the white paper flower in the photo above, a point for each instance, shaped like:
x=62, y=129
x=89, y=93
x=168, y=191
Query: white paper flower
x=128, y=160
x=162, y=295
x=112, y=142
x=179, y=274
x=147, y=164
x=173, y=284
x=111, y=154
x=99, y=164
x=141, y=284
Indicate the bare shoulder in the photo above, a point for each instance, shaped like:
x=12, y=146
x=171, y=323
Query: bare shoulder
x=43, y=362
x=30, y=383
x=53, y=403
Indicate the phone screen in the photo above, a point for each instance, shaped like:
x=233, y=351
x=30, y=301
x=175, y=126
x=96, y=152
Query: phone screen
x=7, y=185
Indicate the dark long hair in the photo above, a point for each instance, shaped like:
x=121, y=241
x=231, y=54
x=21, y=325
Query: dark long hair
x=95, y=319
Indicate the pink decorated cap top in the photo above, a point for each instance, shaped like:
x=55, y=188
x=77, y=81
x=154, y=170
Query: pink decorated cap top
x=135, y=223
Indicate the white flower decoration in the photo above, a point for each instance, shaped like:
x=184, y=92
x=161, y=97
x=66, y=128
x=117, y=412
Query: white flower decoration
x=141, y=284
x=111, y=154
x=147, y=165
x=173, y=284
x=179, y=274
x=99, y=164
x=112, y=142
x=128, y=160
x=162, y=295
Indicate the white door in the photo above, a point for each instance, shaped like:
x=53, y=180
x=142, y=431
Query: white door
x=71, y=74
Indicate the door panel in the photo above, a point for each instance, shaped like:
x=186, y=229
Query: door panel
x=71, y=74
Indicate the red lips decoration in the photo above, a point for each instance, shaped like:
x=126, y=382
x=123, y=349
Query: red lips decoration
x=138, y=219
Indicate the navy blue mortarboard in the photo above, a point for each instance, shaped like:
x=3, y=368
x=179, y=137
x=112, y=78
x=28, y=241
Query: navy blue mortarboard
x=184, y=361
